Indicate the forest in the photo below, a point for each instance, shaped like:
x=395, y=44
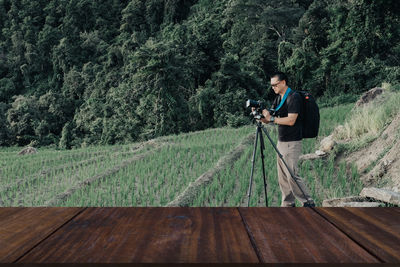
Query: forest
x=80, y=72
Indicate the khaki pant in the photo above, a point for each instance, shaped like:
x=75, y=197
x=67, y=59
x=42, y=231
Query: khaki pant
x=291, y=152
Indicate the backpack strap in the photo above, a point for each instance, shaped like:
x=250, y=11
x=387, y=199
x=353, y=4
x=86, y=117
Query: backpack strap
x=283, y=99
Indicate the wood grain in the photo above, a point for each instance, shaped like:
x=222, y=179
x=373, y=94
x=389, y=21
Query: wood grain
x=23, y=228
x=143, y=235
x=300, y=235
x=377, y=229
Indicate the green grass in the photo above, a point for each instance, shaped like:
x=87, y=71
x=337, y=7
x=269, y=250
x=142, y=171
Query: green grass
x=369, y=121
x=155, y=173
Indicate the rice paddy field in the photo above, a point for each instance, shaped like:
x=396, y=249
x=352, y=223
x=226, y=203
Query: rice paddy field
x=157, y=172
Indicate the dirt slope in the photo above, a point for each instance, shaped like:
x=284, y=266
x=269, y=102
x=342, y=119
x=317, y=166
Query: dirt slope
x=387, y=169
x=379, y=162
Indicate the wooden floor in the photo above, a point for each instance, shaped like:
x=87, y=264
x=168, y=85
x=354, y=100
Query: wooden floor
x=199, y=235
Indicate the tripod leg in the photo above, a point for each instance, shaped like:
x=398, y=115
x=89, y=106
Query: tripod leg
x=309, y=202
x=252, y=167
x=263, y=167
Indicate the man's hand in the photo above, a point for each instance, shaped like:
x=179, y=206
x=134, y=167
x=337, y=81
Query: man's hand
x=266, y=115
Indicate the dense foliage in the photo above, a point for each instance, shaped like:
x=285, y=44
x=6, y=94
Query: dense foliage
x=78, y=72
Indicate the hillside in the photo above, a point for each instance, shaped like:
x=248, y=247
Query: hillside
x=379, y=162
x=374, y=151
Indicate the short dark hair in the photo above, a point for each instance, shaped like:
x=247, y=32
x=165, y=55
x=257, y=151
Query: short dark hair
x=280, y=75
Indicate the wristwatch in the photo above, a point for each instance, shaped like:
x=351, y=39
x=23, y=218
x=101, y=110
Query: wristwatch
x=272, y=119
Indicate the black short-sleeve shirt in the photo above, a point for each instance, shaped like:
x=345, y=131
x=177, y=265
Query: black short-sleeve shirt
x=293, y=104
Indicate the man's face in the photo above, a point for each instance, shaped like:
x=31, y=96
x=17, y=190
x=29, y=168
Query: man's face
x=277, y=86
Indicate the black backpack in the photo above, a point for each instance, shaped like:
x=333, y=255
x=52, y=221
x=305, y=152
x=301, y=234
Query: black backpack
x=310, y=115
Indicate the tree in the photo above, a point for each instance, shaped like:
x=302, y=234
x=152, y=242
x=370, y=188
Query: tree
x=222, y=101
x=66, y=136
x=4, y=132
x=158, y=84
x=22, y=117
x=7, y=89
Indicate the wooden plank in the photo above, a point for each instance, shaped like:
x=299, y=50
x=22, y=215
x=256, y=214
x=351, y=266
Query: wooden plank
x=377, y=229
x=300, y=235
x=23, y=228
x=145, y=235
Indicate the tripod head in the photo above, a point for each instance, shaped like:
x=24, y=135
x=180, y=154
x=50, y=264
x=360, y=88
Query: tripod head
x=257, y=115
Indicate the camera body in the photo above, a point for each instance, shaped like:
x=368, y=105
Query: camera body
x=258, y=104
x=259, y=107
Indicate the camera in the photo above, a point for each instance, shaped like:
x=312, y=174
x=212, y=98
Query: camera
x=258, y=105
x=255, y=104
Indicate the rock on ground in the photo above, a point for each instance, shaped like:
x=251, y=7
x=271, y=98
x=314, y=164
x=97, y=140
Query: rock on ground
x=327, y=144
x=338, y=202
x=381, y=195
x=362, y=204
x=317, y=155
x=28, y=150
x=354, y=201
x=369, y=96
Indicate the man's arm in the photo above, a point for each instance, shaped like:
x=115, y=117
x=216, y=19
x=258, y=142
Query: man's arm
x=290, y=120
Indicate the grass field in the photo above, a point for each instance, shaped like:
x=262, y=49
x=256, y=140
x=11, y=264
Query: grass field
x=156, y=172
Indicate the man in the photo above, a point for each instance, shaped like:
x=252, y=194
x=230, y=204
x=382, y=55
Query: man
x=289, y=119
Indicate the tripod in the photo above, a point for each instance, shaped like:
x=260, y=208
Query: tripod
x=259, y=130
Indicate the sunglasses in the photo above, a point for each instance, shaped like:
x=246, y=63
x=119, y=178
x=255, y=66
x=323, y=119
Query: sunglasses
x=275, y=84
